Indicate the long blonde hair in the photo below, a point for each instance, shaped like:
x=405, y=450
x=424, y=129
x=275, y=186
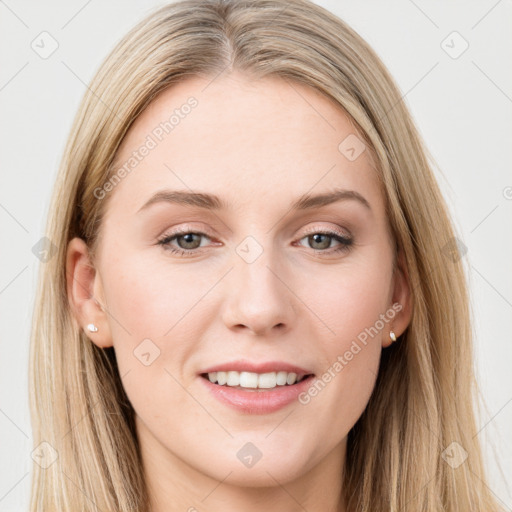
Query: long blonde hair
x=424, y=396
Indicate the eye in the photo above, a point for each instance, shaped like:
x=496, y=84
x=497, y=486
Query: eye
x=321, y=240
x=188, y=242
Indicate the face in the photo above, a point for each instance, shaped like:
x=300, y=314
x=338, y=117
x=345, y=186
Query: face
x=251, y=277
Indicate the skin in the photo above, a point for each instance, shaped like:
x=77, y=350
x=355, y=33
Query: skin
x=259, y=145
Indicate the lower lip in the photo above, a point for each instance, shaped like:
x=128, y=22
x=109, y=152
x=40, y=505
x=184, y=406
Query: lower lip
x=255, y=401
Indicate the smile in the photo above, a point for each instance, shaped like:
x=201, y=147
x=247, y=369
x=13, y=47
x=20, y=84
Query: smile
x=252, y=380
x=256, y=388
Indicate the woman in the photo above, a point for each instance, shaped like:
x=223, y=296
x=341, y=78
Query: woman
x=257, y=298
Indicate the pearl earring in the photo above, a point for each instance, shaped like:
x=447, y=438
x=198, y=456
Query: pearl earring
x=392, y=336
x=92, y=328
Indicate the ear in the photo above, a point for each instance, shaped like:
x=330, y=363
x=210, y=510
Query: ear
x=401, y=301
x=85, y=293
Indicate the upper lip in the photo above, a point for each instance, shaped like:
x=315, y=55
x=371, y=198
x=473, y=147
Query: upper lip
x=263, y=367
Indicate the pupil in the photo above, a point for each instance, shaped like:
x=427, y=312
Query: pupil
x=189, y=239
x=317, y=238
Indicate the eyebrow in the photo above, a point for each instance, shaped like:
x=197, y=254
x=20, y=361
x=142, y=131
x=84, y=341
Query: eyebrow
x=213, y=202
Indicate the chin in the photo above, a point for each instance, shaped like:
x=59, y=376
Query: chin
x=266, y=468
x=263, y=475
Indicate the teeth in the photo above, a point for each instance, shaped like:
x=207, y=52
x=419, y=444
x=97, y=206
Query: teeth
x=267, y=380
x=233, y=379
x=254, y=380
x=281, y=378
x=291, y=378
x=248, y=380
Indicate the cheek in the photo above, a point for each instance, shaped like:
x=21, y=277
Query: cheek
x=150, y=316
x=150, y=312
x=149, y=300
x=350, y=298
x=353, y=304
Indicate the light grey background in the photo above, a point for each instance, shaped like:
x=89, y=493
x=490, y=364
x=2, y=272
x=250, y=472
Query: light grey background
x=461, y=105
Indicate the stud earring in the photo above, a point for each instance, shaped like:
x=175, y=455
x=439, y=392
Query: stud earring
x=392, y=336
x=92, y=328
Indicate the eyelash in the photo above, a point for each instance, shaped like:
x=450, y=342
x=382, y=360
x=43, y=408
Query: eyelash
x=345, y=242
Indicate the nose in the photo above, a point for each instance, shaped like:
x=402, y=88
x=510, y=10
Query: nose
x=257, y=297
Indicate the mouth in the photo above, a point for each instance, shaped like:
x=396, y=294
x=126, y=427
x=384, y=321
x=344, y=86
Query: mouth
x=256, y=388
x=253, y=381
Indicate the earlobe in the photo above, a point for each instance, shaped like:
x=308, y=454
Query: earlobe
x=82, y=280
x=401, y=302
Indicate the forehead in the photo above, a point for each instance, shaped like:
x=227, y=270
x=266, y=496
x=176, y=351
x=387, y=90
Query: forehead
x=242, y=140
